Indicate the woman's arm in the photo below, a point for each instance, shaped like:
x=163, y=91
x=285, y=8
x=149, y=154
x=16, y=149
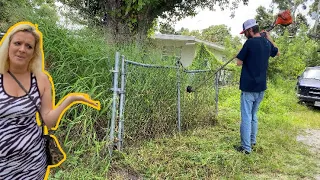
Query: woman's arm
x=51, y=114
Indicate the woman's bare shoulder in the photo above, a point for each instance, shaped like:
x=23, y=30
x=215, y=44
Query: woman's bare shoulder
x=42, y=77
x=43, y=82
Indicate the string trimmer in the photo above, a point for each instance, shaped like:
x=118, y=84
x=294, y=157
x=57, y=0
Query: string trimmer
x=284, y=18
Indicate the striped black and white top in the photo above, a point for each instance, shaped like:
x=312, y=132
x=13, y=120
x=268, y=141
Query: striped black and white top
x=22, y=153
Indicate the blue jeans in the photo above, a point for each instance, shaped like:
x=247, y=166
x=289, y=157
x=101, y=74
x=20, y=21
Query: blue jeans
x=250, y=102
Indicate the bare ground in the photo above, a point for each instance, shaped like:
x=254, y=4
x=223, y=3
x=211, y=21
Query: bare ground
x=311, y=137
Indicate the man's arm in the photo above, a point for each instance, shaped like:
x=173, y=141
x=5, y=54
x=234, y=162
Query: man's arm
x=278, y=53
x=270, y=39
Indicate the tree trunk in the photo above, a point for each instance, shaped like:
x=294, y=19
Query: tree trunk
x=120, y=27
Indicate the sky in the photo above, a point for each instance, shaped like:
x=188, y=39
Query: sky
x=206, y=18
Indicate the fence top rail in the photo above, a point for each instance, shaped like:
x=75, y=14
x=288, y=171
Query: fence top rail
x=150, y=65
x=168, y=67
x=197, y=71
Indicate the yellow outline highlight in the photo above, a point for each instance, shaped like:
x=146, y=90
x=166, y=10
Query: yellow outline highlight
x=53, y=96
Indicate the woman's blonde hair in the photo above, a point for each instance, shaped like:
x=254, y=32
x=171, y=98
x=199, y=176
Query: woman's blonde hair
x=35, y=64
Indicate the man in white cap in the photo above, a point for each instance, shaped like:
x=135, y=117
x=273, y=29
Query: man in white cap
x=253, y=57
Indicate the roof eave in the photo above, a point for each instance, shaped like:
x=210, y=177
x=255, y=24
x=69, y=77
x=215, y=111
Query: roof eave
x=187, y=38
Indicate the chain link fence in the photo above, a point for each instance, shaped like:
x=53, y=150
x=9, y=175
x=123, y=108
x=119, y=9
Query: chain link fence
x=198, y=107
x=153, y=101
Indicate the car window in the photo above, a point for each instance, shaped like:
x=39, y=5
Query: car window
x=312, y=74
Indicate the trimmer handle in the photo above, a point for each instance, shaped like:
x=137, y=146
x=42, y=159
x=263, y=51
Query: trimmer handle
x=263, y=34
x=270, y=28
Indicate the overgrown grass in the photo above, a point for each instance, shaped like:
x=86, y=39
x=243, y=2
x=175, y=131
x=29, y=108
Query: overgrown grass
x=81, y=62
x=202, y=153
x=207, y=153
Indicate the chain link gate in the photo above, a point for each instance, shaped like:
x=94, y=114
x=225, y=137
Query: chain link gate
x=154, y=95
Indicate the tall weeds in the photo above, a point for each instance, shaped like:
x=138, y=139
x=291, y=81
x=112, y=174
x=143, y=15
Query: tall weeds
x=80, y=61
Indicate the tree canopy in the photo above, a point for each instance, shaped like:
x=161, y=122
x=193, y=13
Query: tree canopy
x=216, y=34
x=265, y=18
x=291, y=39
x=12, y=12
x=132, y=17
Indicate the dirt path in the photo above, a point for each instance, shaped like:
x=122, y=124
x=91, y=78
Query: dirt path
x=311, y=137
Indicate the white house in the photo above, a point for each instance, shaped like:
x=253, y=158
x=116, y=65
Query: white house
x=185, y=47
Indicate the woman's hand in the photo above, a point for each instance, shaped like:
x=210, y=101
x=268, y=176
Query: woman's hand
x=54, y=115
x=84, y=98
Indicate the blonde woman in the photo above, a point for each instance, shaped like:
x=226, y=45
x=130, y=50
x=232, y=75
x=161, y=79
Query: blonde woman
x=22, y=152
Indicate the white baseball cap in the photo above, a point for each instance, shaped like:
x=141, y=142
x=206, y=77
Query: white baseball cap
x=248, y=24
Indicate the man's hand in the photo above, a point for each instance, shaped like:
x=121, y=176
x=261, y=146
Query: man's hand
x=239, y=62
x=267, y=35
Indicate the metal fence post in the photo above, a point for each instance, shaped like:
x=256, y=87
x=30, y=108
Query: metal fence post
x=178, y=94
x=217, y=93
x=122, y=102
x=114, y=101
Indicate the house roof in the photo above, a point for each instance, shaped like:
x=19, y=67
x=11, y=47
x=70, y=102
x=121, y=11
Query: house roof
x=189, y=39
